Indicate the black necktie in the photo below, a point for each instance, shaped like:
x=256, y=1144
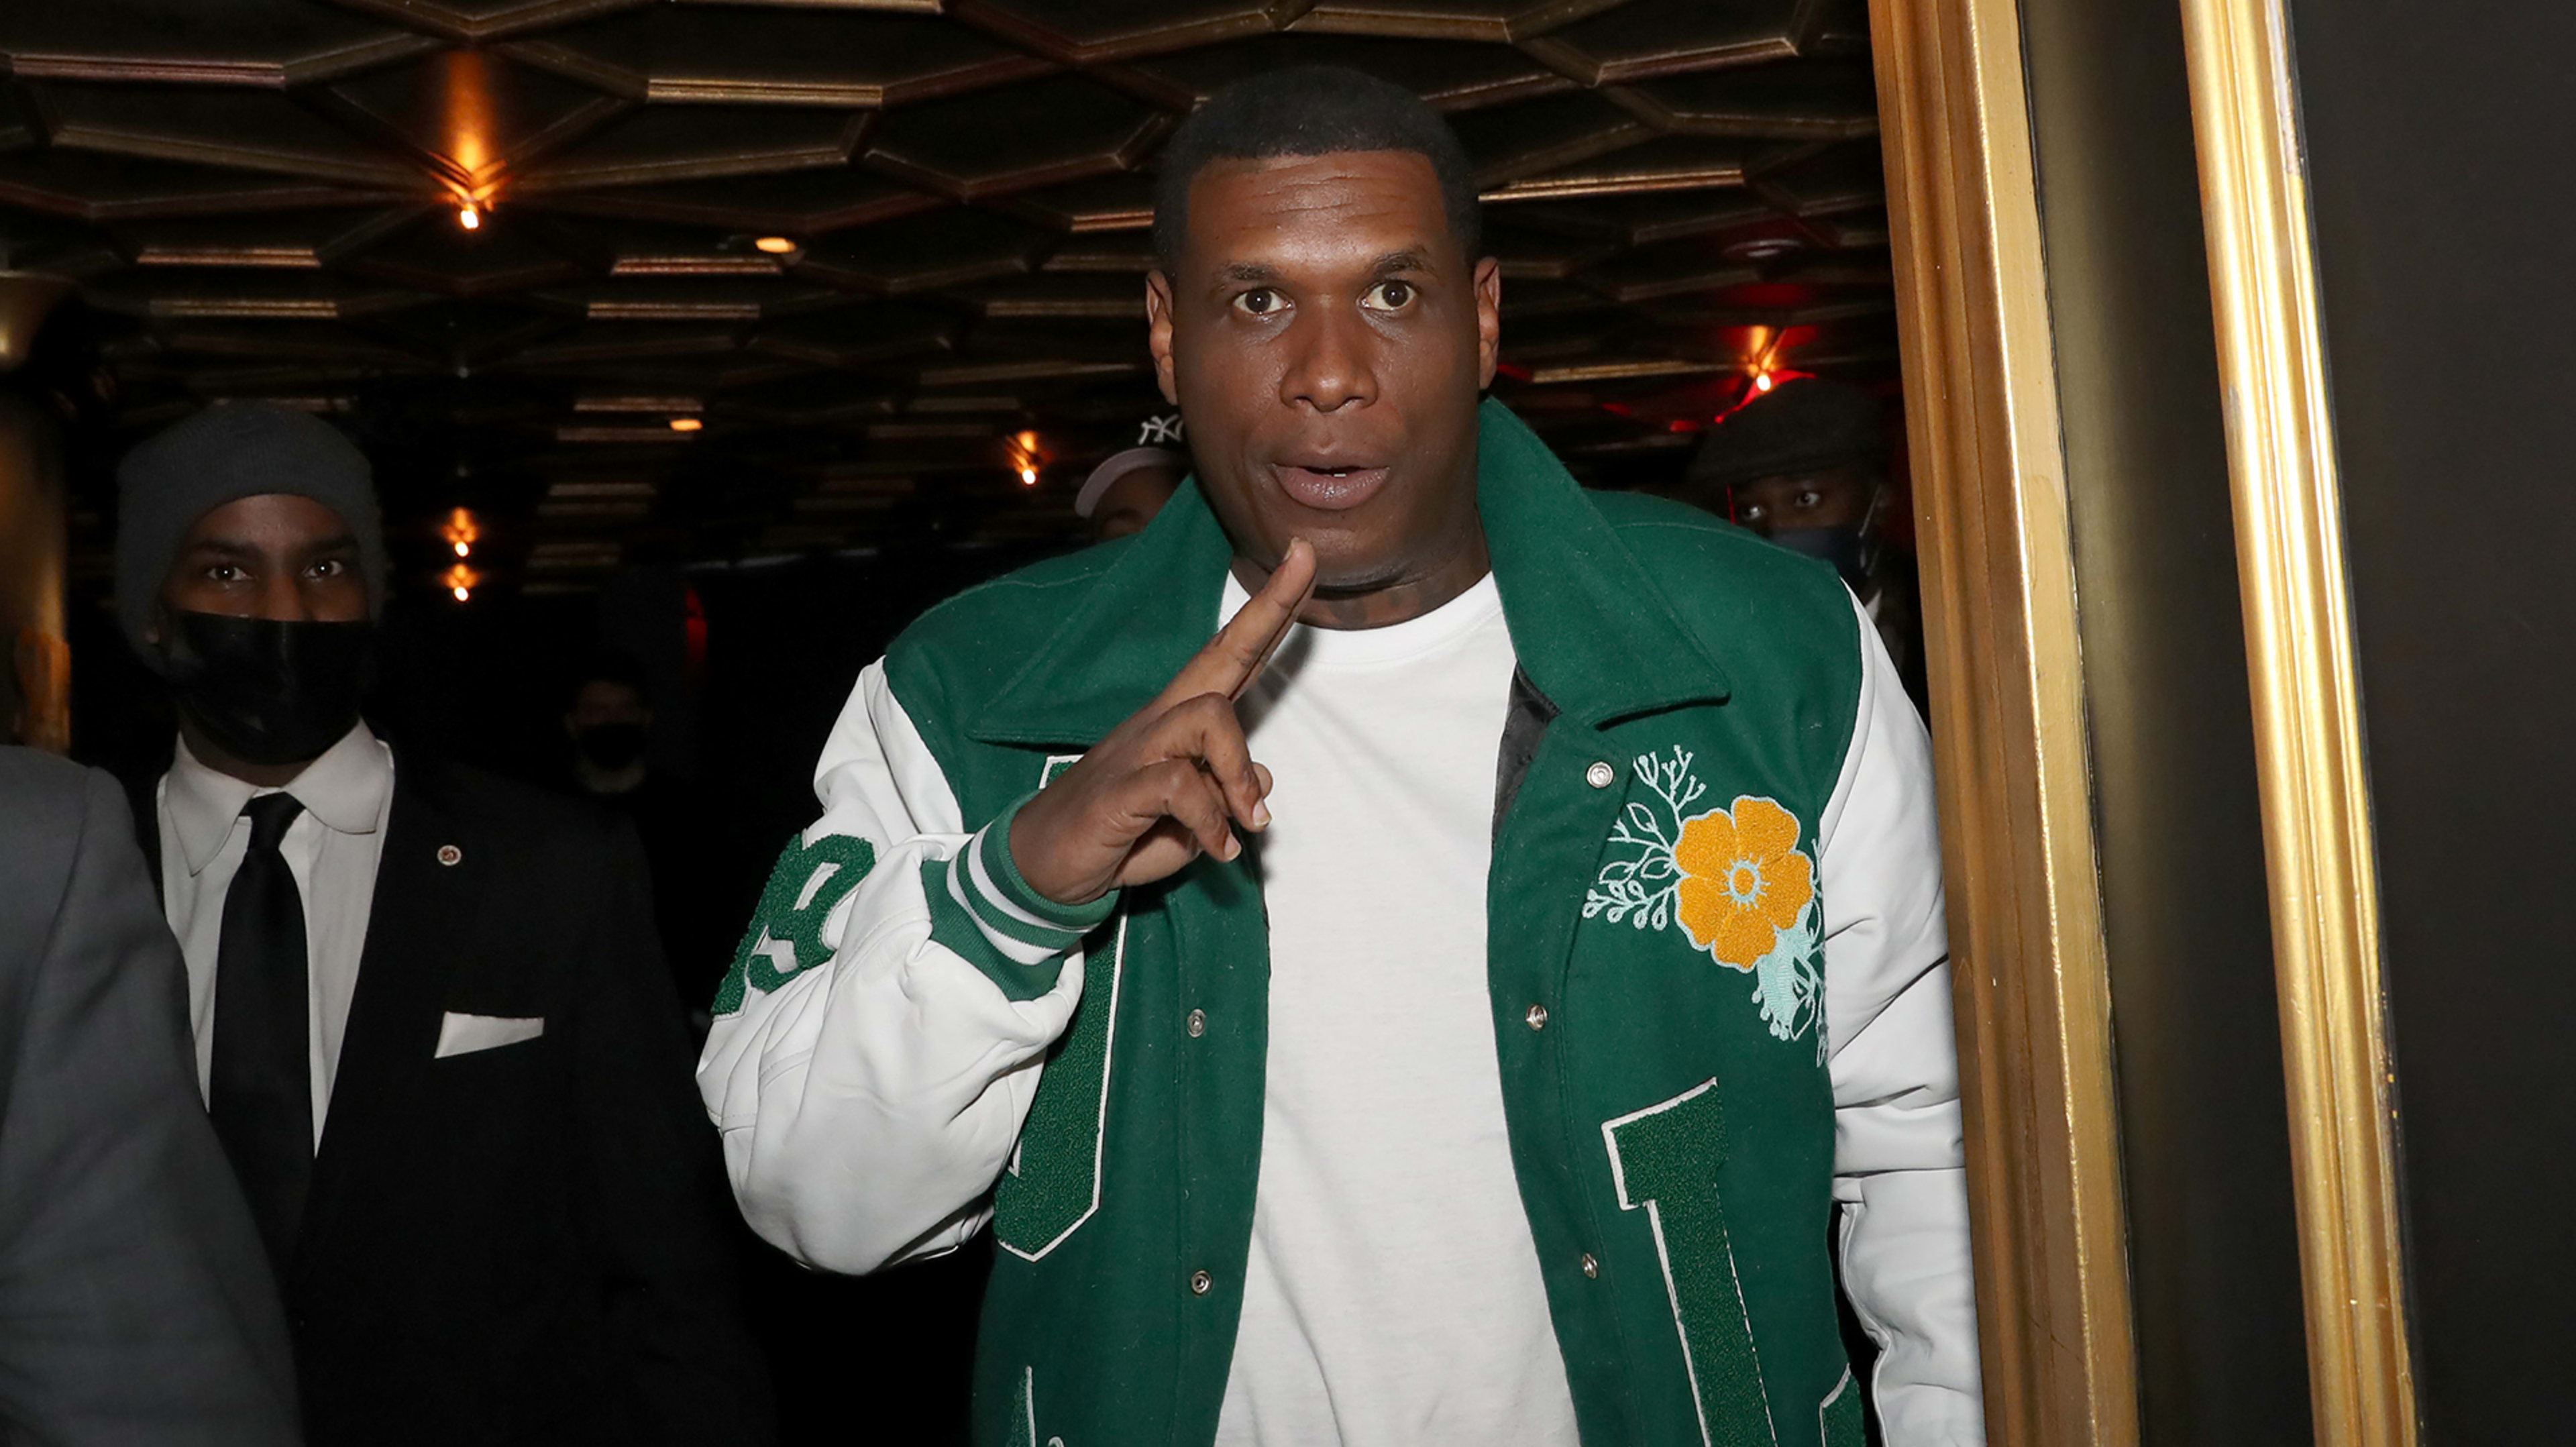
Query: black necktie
x=262, y=1084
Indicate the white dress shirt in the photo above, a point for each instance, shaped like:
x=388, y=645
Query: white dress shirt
x=331, y=848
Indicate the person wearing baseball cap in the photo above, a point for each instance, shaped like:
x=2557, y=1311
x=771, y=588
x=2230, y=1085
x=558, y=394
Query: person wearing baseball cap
x=1128, y=488
x=428, y=1010
x=1805, y=465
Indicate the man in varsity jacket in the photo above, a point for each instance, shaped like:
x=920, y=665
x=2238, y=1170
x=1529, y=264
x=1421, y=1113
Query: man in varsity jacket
x=1445, y=1003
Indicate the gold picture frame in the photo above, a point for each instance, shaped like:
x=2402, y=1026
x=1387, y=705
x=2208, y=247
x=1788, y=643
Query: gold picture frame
x=2309, y=764
x=2032, y=990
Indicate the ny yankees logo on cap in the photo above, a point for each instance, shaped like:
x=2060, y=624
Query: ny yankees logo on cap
x=1158, y=430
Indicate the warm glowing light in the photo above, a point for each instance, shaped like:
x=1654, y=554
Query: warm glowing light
x=775, y=245
x=686, y=424
x=468, y=217
x=1028, y=477
x=460, y=581
x=1762, y=382
x=460, y=530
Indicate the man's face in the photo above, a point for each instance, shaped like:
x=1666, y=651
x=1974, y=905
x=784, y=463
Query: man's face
x=1832, y=498
x=607, y=701
x=1130, y=502
x=1327, y=338
x=276, y=556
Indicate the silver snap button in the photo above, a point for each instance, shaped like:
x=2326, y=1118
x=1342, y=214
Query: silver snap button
x=1600, y=774
x=1198, y=1023
x=1590, y=1266
x=450, y=855
x=1537, y=1017
x=1200, y=1281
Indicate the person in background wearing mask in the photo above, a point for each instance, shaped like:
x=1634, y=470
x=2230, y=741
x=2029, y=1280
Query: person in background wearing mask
x=1805, y=465
x=1128, y=488
x=135, y=1306
x=609, y=720
x=428, y=1008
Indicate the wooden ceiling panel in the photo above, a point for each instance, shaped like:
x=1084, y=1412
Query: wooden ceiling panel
x=246, y=129
x=861, y=240
x=661, y=144
x=970, y=149
x=467, y=115
x=265, y=43
x=800, y=57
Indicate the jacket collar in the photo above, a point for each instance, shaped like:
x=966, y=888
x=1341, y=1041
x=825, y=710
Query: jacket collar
x=1592, y=630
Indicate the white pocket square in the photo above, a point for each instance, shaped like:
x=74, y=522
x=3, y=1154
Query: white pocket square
x=465, y=1034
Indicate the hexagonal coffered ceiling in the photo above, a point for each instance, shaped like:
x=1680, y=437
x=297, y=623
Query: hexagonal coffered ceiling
x=862, y=250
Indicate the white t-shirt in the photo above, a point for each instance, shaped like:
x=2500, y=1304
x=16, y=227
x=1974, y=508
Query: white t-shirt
x=1392, y=1297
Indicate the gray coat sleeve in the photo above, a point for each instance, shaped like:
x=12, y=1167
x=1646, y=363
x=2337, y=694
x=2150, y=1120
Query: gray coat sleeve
x=136, y=1306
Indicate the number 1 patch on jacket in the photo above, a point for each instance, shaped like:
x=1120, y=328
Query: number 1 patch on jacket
x=1053, y=1184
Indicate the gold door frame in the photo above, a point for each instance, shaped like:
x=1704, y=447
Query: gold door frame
x=2008, y=725
x=2309, y=765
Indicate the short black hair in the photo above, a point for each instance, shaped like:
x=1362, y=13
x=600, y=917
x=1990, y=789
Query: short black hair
x=1311, y=110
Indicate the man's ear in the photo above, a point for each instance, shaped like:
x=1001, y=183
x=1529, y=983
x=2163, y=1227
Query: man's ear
x=1489, y=320
x=1158, y=331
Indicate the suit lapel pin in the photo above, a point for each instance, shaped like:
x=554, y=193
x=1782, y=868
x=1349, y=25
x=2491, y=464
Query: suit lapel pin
x=449, y=854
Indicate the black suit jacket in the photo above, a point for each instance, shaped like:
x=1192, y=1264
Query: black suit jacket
x=529, y=1242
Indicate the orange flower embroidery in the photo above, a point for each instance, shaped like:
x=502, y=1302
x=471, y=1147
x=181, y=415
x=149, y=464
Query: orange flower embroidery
x=1733, y=879
x=1743, y=880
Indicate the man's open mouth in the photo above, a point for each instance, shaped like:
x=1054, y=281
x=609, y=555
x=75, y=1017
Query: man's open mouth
x=1326, y=486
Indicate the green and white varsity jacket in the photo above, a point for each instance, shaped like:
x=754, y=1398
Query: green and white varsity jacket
x=1714, y=866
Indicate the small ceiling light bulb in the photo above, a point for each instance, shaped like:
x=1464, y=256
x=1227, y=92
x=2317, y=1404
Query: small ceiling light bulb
x=462, y=593
x=1762, y=382
x=775, y=245
x=464, y=549
x=686, y=424
x=1028, y=477
x=468, y=217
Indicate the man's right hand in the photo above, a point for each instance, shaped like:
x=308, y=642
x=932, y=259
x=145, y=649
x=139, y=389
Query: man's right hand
x=1176, y=777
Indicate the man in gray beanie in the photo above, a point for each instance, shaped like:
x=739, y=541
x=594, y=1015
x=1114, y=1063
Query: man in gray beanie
x=430, y=1017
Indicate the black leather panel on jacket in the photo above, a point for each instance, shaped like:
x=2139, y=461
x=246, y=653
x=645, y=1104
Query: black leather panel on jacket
x=1526, y=718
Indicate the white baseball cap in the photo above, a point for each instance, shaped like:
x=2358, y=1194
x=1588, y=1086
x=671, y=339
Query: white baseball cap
x=1154, y=430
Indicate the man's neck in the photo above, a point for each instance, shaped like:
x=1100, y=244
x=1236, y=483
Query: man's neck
x=214, y=756
x=1388, y=604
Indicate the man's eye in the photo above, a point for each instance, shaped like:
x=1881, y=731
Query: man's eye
x=1752, y=512
x=1260, y=301
x=1809, y=499
x=224, y=572
x=1390, y=295
x=329, y=568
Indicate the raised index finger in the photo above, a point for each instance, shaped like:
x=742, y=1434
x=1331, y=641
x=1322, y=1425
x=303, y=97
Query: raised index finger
x=1240, y=650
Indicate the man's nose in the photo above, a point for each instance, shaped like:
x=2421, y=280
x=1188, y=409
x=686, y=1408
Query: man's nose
x=281, y=597
x=1332, y=364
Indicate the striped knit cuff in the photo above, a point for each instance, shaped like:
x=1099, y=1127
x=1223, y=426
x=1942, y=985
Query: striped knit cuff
x=984, y=911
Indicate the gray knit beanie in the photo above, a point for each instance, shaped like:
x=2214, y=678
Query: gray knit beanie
x=232, y=450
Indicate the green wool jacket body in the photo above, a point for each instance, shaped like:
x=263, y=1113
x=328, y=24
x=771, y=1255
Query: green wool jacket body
x=1714, y=881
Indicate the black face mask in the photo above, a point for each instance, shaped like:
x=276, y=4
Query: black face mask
x=266, y=691
x=1843, y=547
x=611, y=747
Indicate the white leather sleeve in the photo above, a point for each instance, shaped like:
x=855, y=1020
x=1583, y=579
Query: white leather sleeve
x=1899, y=1166
x=868, y=1105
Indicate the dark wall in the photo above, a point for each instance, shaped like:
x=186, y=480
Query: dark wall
x=2204, y=1131
x=2440, y=141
